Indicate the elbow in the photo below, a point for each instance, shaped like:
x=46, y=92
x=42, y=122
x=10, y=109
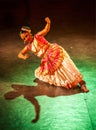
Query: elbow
x=19, y=55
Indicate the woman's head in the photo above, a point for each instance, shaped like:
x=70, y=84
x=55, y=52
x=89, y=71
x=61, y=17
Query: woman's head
x=25, y=34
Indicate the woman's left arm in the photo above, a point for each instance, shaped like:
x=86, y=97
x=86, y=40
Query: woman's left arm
x=46, y=29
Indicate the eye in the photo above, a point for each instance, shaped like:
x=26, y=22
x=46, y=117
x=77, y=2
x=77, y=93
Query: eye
x=25, y=37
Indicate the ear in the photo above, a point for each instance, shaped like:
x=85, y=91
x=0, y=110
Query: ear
x=28, y=31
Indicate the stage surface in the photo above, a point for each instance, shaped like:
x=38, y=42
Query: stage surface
x=48, y=107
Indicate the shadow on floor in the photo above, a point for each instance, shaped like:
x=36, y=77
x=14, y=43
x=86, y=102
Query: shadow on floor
x=42, y=88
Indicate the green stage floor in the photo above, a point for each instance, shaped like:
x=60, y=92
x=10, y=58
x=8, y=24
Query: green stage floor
x=73, y=112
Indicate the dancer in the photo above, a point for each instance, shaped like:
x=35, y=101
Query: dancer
x=56, y=66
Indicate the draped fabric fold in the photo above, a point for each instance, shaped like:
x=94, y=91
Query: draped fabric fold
x=56, y=66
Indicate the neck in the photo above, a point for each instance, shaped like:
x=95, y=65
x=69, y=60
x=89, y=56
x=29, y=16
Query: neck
x=31, y=40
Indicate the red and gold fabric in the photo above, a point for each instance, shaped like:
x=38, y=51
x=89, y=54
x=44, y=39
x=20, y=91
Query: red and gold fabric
x=56, y=66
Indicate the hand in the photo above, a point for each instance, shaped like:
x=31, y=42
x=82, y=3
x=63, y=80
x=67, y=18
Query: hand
x=47, y=19
x=26, y=56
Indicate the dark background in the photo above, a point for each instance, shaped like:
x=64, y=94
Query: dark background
x=73, y=27
x=68, y=15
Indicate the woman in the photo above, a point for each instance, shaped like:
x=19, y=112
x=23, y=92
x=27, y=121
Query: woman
x=56, y=66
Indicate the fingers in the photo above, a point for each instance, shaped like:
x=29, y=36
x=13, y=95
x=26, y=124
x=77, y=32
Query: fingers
x=47, y=19
x=26, y=56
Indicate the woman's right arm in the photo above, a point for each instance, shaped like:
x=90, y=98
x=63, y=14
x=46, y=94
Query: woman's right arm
x=23, y=53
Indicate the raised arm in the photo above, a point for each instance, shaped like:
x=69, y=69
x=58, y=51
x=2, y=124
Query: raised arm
x=46, y=29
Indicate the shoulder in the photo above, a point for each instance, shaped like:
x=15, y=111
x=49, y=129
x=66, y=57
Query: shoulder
x=37, y=36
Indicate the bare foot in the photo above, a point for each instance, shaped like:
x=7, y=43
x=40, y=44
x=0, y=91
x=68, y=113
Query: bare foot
x=84, y=89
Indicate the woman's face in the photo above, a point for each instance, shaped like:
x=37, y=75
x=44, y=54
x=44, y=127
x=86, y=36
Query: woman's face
x=27, y=37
